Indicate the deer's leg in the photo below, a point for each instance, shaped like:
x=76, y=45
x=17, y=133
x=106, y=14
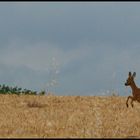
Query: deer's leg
x=128, y=99
x=132, y=102
x=133, y=99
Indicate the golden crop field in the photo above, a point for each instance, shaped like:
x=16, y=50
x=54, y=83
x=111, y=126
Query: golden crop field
x=29, y=116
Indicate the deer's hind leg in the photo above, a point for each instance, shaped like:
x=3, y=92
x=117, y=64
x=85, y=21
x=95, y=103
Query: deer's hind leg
x=131, y=101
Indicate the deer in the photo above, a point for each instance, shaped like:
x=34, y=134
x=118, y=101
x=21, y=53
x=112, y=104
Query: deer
x=135, y=90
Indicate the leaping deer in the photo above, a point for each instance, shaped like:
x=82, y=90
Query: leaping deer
x=135, y=90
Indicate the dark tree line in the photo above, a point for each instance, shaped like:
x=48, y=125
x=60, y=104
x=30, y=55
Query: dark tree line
x=15, y=90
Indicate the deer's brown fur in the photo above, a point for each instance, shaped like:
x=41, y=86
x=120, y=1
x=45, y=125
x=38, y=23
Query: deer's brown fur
x=135, y=90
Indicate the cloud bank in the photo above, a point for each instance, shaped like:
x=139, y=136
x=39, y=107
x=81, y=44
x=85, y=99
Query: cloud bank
x=86, y=69
x=89, y=48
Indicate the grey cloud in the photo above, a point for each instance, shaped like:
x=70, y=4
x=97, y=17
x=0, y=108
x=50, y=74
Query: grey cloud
x=90, y=41
x=68, y=24
x=86, y=69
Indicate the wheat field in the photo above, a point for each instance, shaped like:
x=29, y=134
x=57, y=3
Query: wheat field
x=50, y=116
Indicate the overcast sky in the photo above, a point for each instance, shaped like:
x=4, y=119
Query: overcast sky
x=70, y=48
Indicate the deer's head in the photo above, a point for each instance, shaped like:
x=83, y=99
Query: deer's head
x=130, y=79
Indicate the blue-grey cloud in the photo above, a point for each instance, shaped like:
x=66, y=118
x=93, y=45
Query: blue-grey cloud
x=95, y=44
x=70, y=23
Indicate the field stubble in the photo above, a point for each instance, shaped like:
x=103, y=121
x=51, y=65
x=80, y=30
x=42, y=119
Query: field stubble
x=29, y=116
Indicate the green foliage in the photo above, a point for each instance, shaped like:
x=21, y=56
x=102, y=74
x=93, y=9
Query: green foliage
x=42, y=92
x=15, y=90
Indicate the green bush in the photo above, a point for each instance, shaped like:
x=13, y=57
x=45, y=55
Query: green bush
x=15, y=90
x=42, y=92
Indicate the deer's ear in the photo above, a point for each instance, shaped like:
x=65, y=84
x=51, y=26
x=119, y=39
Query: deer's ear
x=134, y=74
x=129, y=74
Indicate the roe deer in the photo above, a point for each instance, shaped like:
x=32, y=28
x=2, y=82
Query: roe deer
x=135, y=90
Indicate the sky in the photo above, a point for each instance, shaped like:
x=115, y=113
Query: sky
x=70, y=48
